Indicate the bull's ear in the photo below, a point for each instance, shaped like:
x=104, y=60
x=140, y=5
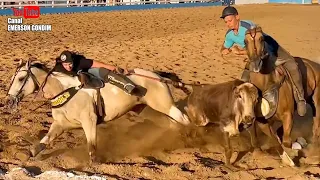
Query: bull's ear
x=236, y=92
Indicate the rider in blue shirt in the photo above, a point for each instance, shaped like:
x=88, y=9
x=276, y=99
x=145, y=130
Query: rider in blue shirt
x=234, y=41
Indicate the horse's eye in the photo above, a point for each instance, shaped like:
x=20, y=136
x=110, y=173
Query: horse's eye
x=21, y=78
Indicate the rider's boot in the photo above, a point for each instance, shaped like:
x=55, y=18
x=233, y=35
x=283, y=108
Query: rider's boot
x=296, y=80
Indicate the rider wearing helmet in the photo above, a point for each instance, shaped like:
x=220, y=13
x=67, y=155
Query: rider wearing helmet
x=72, y=63
x=234, y=41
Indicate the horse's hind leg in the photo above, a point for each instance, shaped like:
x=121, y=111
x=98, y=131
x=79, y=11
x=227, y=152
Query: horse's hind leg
x=54, y=131
x=161, y=100
x=165, y=105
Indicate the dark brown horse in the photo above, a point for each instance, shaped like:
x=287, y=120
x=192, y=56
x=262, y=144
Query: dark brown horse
x=275, y=86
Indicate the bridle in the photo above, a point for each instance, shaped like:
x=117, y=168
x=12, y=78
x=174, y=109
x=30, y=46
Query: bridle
x=265, y=54
x=29, y=74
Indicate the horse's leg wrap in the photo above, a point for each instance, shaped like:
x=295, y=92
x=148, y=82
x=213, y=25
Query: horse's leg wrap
x=296, y=81
x=118, y=80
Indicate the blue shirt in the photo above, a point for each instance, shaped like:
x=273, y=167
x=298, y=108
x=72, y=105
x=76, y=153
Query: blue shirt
x=231, y=39
x=238, y=39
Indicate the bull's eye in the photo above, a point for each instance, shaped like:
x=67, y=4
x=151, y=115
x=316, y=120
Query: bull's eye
x=21, y=79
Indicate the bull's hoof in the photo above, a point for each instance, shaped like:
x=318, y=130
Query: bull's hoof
x=232, y=168
x=258, y=153
x=234, y=157
x=36, y=149
x=242, y=166
x=23, y=155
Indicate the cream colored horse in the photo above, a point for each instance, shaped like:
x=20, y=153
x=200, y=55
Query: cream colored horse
x=80, y=111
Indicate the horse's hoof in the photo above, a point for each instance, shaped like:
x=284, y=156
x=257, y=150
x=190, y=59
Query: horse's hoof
x=287, y=144
x=291, y=152
x=36, y=149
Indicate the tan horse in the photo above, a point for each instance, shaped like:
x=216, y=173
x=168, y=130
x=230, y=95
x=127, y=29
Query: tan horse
x=277, y=89
x=80, y=110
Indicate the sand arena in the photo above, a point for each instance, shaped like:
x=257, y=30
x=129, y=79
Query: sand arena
x=186, y=41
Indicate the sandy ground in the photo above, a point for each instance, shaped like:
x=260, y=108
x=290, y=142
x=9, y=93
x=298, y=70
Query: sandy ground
x=185, y=41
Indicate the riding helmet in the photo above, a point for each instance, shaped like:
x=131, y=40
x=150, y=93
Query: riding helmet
x=229, y=10
x=66, y=56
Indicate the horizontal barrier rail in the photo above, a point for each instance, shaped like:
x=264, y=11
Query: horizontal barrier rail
x=5, y=4
x=63, y=8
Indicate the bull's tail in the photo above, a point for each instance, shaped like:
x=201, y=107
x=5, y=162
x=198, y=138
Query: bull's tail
x=176, y=81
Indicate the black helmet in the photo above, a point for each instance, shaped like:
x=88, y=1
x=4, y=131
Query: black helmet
x=66, y=56
x=229, y=10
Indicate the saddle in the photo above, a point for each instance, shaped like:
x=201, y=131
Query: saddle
x=89, y=81
x=271, y=95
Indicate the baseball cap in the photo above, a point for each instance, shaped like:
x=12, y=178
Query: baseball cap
x=229, y=10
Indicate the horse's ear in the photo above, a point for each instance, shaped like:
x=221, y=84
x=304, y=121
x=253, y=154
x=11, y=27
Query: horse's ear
x=259, y=28
x=28, y=64
x=20, y=63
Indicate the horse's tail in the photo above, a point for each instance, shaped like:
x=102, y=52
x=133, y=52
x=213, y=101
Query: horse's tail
x=176, y=81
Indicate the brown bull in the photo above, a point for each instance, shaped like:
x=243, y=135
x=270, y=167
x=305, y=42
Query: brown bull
x=227, y=104
x=274, y=82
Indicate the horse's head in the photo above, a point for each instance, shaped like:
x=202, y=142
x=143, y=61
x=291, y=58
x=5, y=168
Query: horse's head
x=255, y=47
x=23, y=82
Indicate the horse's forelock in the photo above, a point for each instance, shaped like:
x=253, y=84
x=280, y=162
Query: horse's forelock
x=253, y=30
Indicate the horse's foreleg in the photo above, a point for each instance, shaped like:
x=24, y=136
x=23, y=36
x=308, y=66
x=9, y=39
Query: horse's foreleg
x=90, y=129
x=54, y=131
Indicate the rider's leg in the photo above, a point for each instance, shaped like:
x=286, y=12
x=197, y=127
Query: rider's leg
x=295, y=77
x=118, y=80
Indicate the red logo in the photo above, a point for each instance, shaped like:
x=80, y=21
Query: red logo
x=27, y=12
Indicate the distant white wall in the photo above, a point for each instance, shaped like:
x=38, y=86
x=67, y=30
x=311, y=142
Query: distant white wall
x=251, y=1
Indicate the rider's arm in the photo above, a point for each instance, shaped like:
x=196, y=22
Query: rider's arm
x=226, y=46
x=97, y=64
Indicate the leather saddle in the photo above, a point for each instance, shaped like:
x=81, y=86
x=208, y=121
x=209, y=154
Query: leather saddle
x=89, y=81
x=271, y=95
